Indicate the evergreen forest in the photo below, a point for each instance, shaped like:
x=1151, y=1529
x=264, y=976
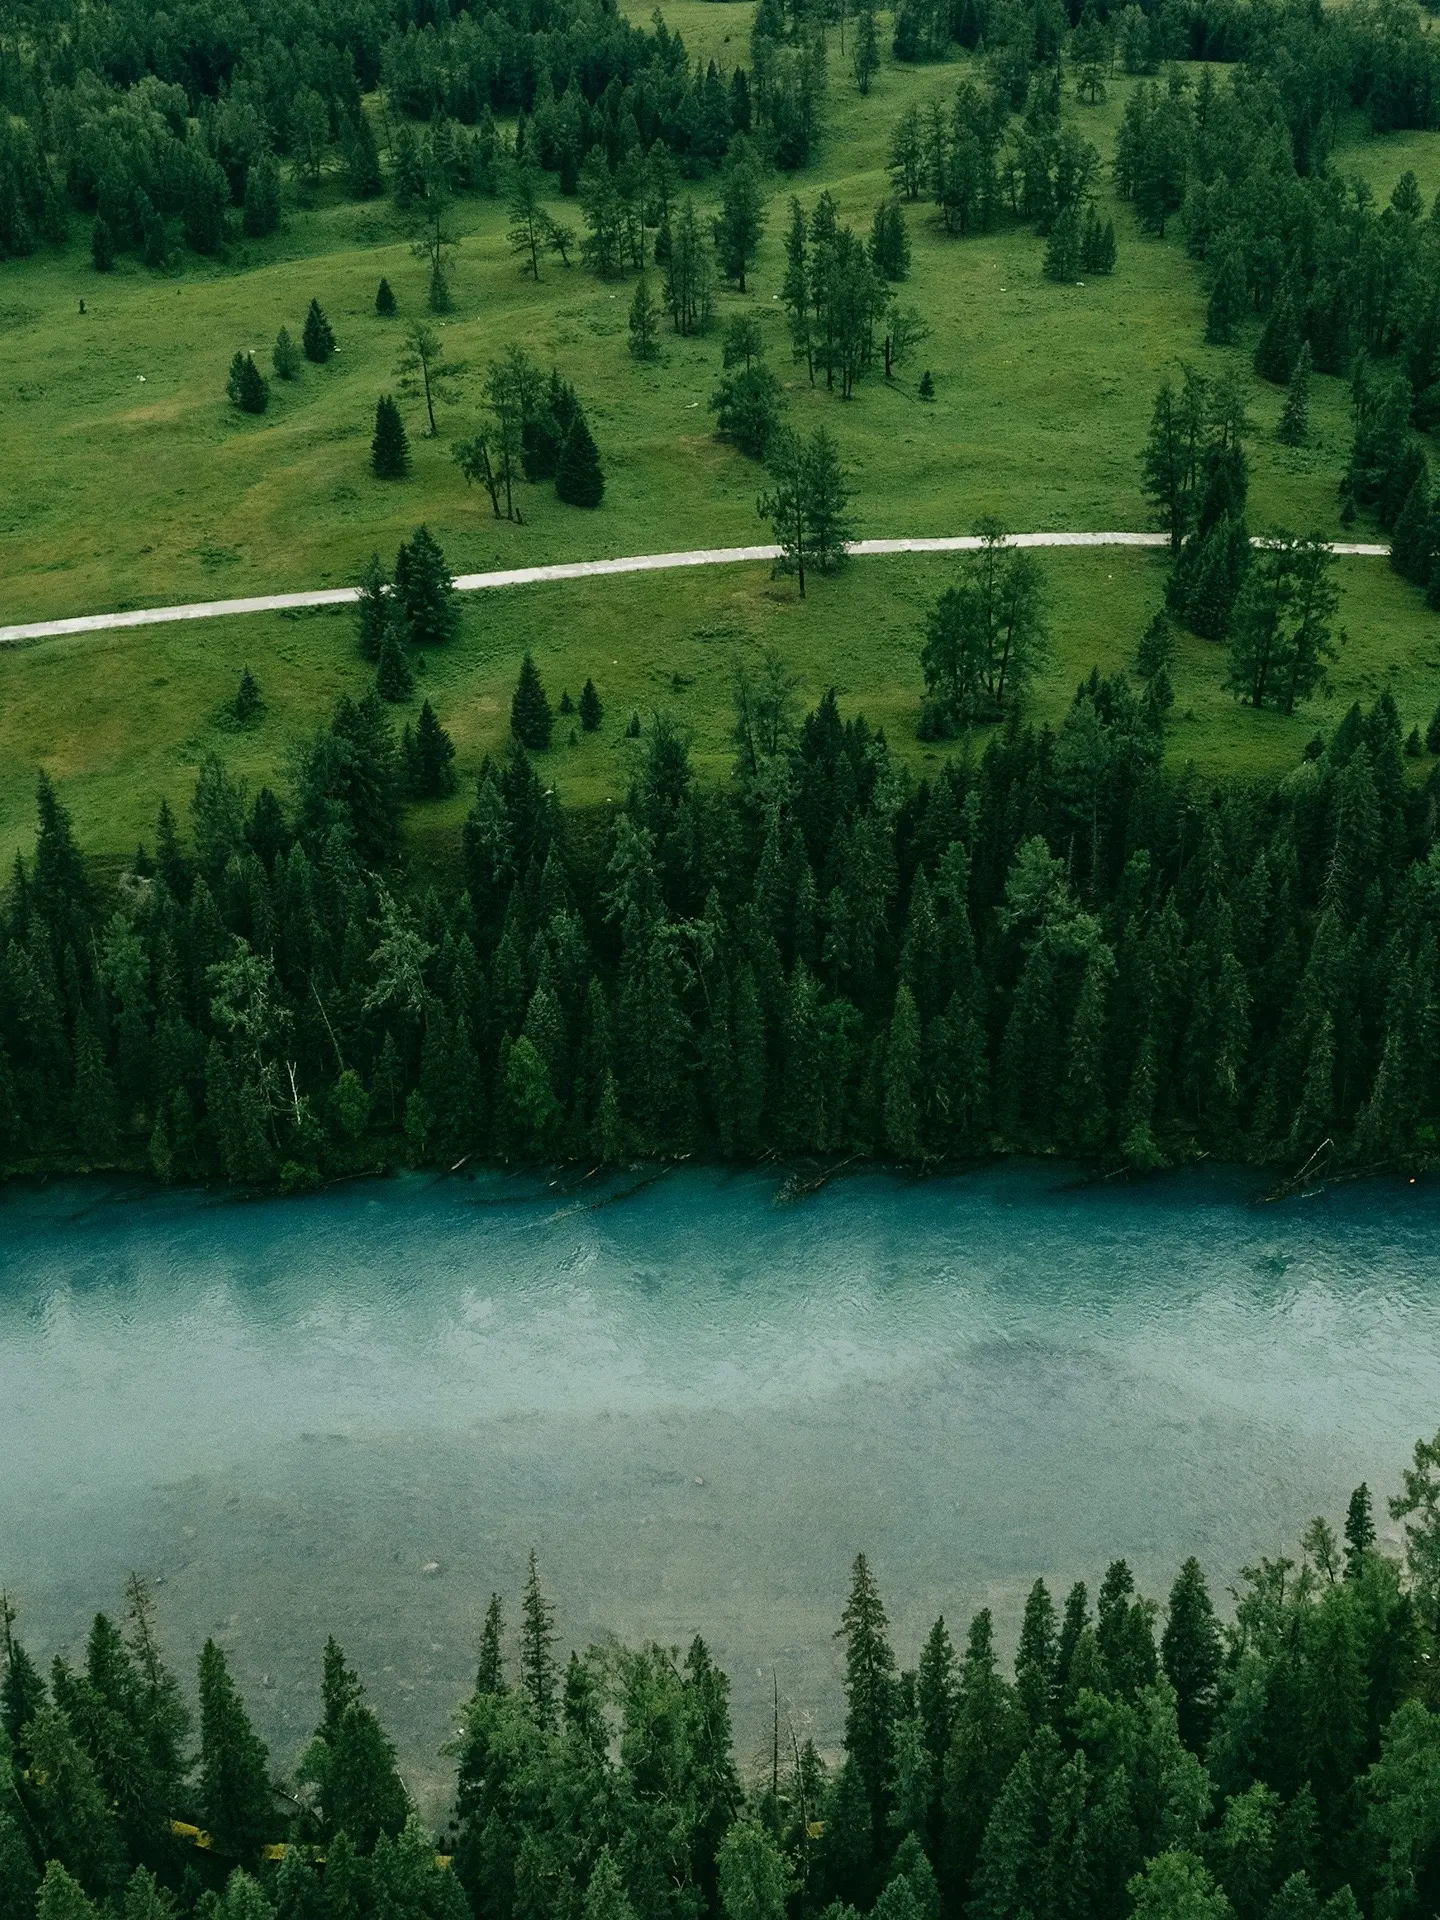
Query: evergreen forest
x=1284, y=1765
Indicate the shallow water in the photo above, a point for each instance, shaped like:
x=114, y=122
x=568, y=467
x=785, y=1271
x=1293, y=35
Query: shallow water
x=355, y=1413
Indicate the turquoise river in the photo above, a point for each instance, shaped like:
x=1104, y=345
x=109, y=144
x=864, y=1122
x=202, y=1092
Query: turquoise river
x=356, y=1412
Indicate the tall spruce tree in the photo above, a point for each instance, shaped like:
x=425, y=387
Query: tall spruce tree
x=531, y=719
x=539, y=1675
x=318, y=338
x=390, y=448
x=235, y=1795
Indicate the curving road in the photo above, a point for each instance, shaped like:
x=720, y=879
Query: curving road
x=585, y=570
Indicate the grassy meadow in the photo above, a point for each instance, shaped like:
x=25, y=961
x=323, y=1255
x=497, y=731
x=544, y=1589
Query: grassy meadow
x=129, y=480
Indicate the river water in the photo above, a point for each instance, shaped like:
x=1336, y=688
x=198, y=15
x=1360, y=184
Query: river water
x=357, y=1412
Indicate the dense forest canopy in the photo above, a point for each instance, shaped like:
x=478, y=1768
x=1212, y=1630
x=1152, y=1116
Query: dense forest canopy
x=1285, y=1766
x=1060, y=947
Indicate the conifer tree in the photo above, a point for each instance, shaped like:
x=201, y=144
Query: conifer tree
x=1037, y=1658
x=1410, y=550
x=428, y=757
x=384, y=300
x=1191, y=1653
x=247, y=706
x=262, y=196
x=591, y=711
x=538, y=1672
x=741, y=219
x=1279, y=344
x=425, y=591
x=393, y=679
x=247, y=387
x=285, y=356
x=318, y=338
x=375, y=608
x=902, y=1074
x=531, y=719
x=235, y=1799
x=867, y=47
x=1359, y=1532
x=644, y=323
x=1294, y=424
x=870, y=1689
x=490, y=1673
x=102, y=245
x=579, y=481
x=390, y=448
x=1062, y=249
x=1228, y=296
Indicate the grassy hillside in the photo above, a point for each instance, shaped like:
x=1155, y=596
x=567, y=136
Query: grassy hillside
x=129, y=480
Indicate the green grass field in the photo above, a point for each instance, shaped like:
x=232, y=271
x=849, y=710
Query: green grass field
x=129, y=481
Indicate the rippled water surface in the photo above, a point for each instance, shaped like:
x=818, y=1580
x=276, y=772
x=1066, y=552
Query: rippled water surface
x=356, y=1412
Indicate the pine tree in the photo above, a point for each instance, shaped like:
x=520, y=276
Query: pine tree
x=1295, y=416
x=1062, y=249
x=1410, y=552
x=578, y=479
x=247, y=387
x=285, y=356
x=530, y=717
x=425, y=591
x=902, y=1075
x=384, y=300
x=318, y=338
x=927, y=385
x=870, y=1689
x=741, y=219
x=393, y=679
x=538, y=1672
x=1359, y=1532
x=247, y=706
x=490, y=1674
x=591, y=711
x=867, y=47
x=235, y=1798
x=1228, y=297
x=1279, y=345
x=644, y=323
x=362, y=156
x=375, y=608
x=428, y=757
x=1037, y=1658
x=102, y=245
x=1097, y=244
x=1191, y=1653
x=262, y=196
x=390, y=448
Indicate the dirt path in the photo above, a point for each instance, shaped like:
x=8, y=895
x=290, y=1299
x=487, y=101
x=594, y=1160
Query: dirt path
x=581, y=570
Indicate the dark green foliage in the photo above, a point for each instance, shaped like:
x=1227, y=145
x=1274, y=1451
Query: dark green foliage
x=1294, y=425
x=262, y=196
x=1062, y=249
x=539, y=1679
x=318, y=337
x=384, y=300
x=1359, y=1532
x=425, y=591
x=247, y=387
x=890, y=241
x=1190, y=1650
x=235, y=1798
x=247, y=706
x=1279, y=345
x=591, y=711
x=362, y=156
x=530, y=717
x=1410, y=537
x=393, y=679
x=1097, y=244
x=427, y=756
x=285, y=356
x=579, y=481
x=927, y=385
x=390, y=448
x=644, y=323
x=1432, y=733
x=102, y=245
